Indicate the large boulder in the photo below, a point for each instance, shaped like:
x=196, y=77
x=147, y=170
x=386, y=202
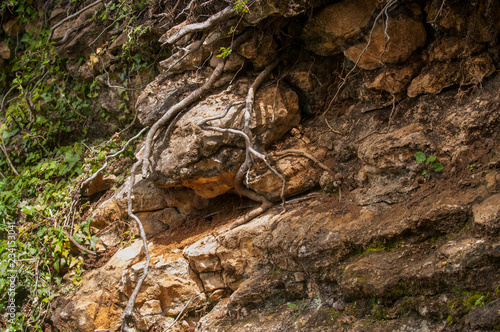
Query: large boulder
x=388, y=44
x=439, y=75
x=205, y=160
x=337, y=25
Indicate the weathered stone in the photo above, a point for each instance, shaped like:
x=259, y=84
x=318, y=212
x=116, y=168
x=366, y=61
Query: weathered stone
x=106, y=213
x=193, y=158
x=480, y=24
x=151, y=307
x=185, y=200
x=109, y=100
x=163, y=93
x=337, y=25
x=4, y=50
x=100, y=183
x=57, y=15
x=145, y=196
x=288, y=8
x=394, y=80
x=203, y=255
x=484, y=317
x=438, y=76
x=211, y=281
x=300, y=173
x=395, y=151
x=233, y=63
x=445, y=49
x=12, y=27
x=487, y=213
x=260, y=51
x=109, y=238
x=404, y=36
x=158, y=221
x=179, y=63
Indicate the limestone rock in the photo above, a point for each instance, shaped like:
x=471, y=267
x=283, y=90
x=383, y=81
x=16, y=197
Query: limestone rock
x=4, y=50
x=57, y=15
x=203, y=255
x=487, y=213
x=151, y=307
x=300, y=173
x=337, y=25
x=163, y=93
x=484, y=317
x=395, y=151
x=233, y=63
x=178, y=63
x=109, y=100
x=482, y=24
x=212, y=281
x=145, y=197
x=261, y=52
x=394, y=80
x=205, y=160
x=158, y=221
x=406, y=35
x=286, y=8
x=438, y=76
x=100, y=183
x=445, y=49
x=107, y=212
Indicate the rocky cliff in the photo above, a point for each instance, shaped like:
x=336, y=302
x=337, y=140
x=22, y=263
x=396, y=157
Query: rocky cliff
x=383, y=119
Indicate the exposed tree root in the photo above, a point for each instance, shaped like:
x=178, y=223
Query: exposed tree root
x=242, y=171
x=302, y=153
x=203, y=26
x=86, y=182
x=55, y=26
x=78, y=245
x=174, y=110
x=383, y=12
x=128, y=315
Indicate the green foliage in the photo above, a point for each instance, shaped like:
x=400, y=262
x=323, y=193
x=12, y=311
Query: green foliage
x=297, y=307
x=225, y=52
x=46, y=123
x=241, y=6
x=430, y=164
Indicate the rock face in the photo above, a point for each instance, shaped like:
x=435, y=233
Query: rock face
x=337, y=25
x=377, y=240
x=204, y=160
x=388, y=44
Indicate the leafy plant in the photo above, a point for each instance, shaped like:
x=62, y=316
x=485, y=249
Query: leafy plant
x=430, y=164
x=225, y=52
x=241, y=6
x=297, y=308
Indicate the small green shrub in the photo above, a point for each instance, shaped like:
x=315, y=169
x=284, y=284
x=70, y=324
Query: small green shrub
x=430, y=164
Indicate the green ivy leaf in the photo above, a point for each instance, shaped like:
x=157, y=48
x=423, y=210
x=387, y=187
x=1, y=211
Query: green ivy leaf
x=431, y=159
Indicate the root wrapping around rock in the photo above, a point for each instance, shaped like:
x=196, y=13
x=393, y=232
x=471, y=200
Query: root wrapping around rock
x=173, y=112
x=203, y=26
x=55, y=26
x=86, y=182
x=246, y=133
x=383, y=12
x=127, y=315
x=304, y=154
